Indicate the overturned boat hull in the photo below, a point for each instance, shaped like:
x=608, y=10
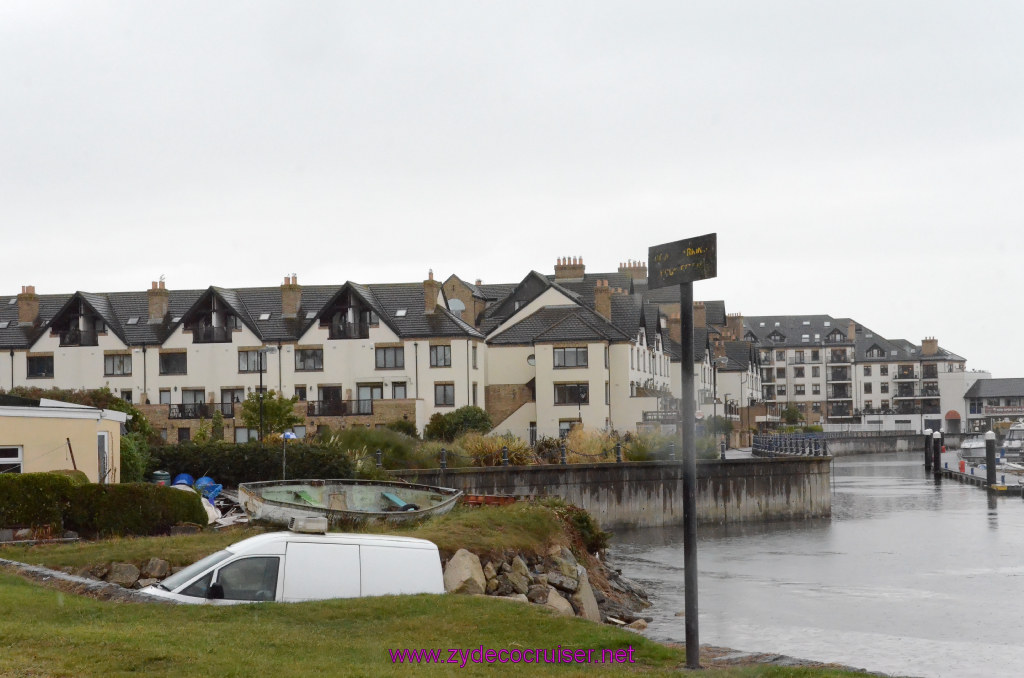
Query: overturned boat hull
x=344, y=502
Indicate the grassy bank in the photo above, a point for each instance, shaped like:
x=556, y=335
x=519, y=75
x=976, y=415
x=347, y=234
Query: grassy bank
x=523, y=527
x=47, y=633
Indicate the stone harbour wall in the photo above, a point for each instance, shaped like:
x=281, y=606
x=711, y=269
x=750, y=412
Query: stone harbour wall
x=650, y=494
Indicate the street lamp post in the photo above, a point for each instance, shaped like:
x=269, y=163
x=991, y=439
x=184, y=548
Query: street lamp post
x=262, y=358
x=714, y=393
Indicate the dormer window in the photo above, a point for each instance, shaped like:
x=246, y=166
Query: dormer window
x=777, y=337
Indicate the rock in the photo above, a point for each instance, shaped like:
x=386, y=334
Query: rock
x=565, y=567
x=538, y=594
x=6, y=534
x=519, y=583
x=143, y=583
x=559, y=604
x=70, y=534
x=541, y=579
x=24, y=533
x=187, y=528
x=489, y=571
x=464, y=574
x=100, y=571
x=638, y=625
x=505, y=587
x=123, y=574
x=598, y=596
x=558, y=580
x=568, y=556
x=520, y=568
x=156, y=568
x=516, y=597
x=584, y=598
x=506, y=568
x=555, y=550
x=492, y=586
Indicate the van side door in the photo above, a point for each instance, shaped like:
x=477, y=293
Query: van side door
x=317, y=571
x=393, y=570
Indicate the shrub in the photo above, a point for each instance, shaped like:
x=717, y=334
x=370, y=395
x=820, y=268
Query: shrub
x=397, y=449
x=448, y=427
x=132, y=509
x=134, y=457
x=581, y=524
x=487, y=450
x=584, y=446
x=33, y=499
x=404, y=426
x=548, y=449
x=231, y=465
x=650, y=446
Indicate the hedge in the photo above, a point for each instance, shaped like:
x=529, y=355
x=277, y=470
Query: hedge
x=131, y=509
x=231, y=465
x=34, y=499
x=59, y=502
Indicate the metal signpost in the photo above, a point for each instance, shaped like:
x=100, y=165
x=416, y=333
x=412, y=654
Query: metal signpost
x=681, y=263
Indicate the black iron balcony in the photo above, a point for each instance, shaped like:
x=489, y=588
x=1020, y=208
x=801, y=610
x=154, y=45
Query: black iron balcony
x=208, y=334
x=77, y=337
x=839, y=357
x=200, y=410
x=906, y=373
x=339, y=408
x=349, y=331
x=839, y=375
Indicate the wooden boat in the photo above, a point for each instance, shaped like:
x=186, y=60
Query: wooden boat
x=344, y=502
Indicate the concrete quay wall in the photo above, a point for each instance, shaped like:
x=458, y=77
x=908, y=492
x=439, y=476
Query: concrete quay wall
x=650, y=494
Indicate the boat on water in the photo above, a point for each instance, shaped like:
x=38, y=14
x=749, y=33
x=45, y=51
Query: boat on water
x=973, y=448
x=1013, y=443
x=344, y=502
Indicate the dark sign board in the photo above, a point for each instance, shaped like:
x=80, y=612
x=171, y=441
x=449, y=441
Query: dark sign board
x=682, y=261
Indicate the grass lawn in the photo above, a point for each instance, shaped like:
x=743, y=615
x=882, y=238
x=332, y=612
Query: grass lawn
x=47, y=633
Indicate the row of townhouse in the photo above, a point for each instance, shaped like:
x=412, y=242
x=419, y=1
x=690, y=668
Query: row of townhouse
x=838, y=372
x=540, y=355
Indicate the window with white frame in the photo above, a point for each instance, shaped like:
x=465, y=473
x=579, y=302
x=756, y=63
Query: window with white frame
x=441, y=356
x=309, y=359
x=570, y=357
x=117, y=365
x=10, y=459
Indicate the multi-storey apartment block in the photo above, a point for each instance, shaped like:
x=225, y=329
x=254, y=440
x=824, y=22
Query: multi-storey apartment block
x=837, y=371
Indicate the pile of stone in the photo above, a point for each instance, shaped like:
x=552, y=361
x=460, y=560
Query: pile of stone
x=557, y=581
x=126, y=575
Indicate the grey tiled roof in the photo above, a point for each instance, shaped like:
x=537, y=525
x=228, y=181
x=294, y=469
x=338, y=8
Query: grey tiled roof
x=560, y=323
x=15, y=336
x=585, y=287
x=388, y=298
x=996, y=388
x=793, y=327
x=700, y=346
x=740, y=354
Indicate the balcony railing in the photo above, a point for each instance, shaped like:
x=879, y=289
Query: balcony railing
x=804, y=361
x=662, y=416
x=200, y=410
x=840, y=394
x=349, y=331
x=843, y=358
x=339, y=408
x=77, y=337
x=209, y=334
x=902, y=374
x=917, y=393
x=839, y=375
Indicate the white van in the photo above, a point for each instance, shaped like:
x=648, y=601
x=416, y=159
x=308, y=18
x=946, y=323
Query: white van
x=293, y=567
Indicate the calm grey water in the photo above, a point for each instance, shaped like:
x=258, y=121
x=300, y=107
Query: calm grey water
x=908, y=577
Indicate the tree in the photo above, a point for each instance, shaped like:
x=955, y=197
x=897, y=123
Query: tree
x=791, y=415
x=278, y=413
x=450, y=426
x=718, y=425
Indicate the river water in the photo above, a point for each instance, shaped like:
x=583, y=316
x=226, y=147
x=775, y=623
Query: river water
x=910, y=576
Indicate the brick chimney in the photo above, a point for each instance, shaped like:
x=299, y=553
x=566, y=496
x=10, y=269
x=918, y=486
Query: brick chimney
x=734, y=326
x=851, y=332
x=431, y=288
x=603, y=299
x=291, y=296
x=28, y=305
x=675, y=328
x=159, y=302
x=929, y=346
x=637, y=270
x=700, y=315
x=569, y=268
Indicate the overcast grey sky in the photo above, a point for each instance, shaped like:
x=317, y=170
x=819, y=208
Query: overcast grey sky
x=860, y=159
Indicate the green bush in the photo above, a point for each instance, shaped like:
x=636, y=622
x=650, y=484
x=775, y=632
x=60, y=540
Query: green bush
x=404, y=426
x=448, y=427
x=134, y=457
x=33, y=499
x=231, y=465
x=132, y=509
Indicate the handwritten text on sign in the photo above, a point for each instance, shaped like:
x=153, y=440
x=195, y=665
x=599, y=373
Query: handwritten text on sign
x=683, y=261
